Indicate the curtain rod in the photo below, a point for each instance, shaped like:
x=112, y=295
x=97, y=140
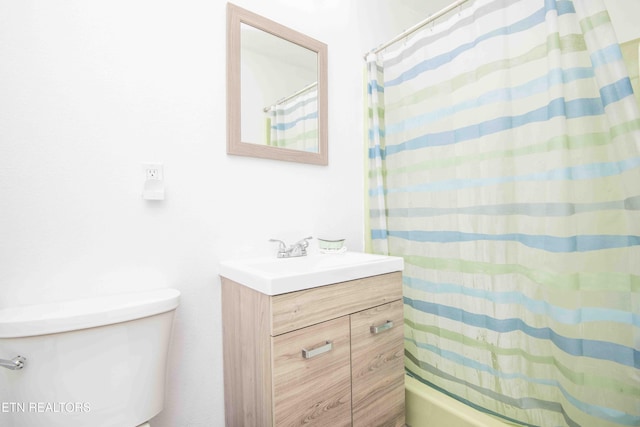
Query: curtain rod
x=286, y=98
x=416, y=27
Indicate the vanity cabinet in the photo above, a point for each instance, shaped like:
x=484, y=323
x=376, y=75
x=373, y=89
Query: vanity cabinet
x=326, y=356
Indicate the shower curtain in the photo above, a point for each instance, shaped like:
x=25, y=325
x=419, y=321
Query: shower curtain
x=293, y=122
x=504, y=166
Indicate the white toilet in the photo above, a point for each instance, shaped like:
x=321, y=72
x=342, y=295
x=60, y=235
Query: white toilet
x=96, y=362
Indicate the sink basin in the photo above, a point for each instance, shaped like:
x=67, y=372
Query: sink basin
x=274, y=276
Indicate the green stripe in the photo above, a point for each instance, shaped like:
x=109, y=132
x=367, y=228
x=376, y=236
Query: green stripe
x=294, y=141
x=589, y=23
x=578, y=378
x=609, y=281
x=566, y=44
x=563, y=142
x=380, y=113
x=623, y=128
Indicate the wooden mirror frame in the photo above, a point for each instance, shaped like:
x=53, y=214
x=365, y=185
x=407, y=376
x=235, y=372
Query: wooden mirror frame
x=236, y=16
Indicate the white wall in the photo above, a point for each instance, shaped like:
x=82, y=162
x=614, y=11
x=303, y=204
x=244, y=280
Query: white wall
x=91, y=89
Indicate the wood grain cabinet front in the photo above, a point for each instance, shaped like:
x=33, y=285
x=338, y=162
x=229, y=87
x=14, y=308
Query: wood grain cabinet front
x=327, y=356
x=377, y=366
x=312, y=375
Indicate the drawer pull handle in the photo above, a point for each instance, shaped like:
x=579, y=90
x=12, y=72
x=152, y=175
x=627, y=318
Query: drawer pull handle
x=381, y=328
x=308, y=354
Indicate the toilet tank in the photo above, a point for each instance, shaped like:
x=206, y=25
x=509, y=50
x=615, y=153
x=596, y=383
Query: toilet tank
x=91, y=362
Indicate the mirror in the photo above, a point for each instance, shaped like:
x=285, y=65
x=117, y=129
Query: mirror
x=276, y=90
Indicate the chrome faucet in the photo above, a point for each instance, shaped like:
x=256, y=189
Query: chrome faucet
x=295, y=250
x=13, y=364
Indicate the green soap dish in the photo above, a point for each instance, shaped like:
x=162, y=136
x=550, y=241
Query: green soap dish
x=328, y=246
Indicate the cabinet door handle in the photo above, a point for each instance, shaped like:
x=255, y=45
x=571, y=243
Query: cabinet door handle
x=308, y=354
x=381, y=328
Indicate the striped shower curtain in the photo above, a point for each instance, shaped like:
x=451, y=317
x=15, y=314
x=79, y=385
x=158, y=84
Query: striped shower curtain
x=504, y=166
x=293, y=123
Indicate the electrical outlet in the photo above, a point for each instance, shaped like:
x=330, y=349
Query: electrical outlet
x=152, y=171
x=153, y=188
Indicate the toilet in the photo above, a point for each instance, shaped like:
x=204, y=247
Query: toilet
x=98, y=362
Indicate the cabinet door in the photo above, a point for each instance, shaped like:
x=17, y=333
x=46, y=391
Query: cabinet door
x=312, y=375
x=377, y=364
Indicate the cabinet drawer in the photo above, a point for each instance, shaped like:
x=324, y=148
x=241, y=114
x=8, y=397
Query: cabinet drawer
x=377, y=359
x=316, y=389
x=303, y=308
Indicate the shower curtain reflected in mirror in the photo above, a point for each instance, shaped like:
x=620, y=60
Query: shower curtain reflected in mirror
x=504, y=166
x=293, y=122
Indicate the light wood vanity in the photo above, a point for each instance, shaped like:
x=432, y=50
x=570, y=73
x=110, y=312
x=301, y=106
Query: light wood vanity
x=327, y=356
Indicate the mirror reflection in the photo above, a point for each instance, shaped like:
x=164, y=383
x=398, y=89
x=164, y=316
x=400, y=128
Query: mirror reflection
x=278, y=91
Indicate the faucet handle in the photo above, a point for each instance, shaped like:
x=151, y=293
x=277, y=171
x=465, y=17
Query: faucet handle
x=297, y=249
x=283, y=245
x=304, y=242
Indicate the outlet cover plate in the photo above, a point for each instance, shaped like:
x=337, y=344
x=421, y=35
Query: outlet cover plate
x=153, y=171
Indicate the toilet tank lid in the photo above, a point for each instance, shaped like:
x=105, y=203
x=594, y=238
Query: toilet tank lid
x=63, y=316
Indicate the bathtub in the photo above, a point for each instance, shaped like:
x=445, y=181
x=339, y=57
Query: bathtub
x=427, y=407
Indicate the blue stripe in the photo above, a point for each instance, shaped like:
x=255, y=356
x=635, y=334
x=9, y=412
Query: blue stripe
x=562, y=6
x=558, y=314
x=556, y=108
x=616, y=91
x=581, y=172
x=602, y=412
x=289, y=125
x=437, y=61
x=575, y=346
x=606, y=55
x=379, y=234
x=538, y=17
x=532, y=87
x=375, y=131
x=374, y=85
x=580, y=243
